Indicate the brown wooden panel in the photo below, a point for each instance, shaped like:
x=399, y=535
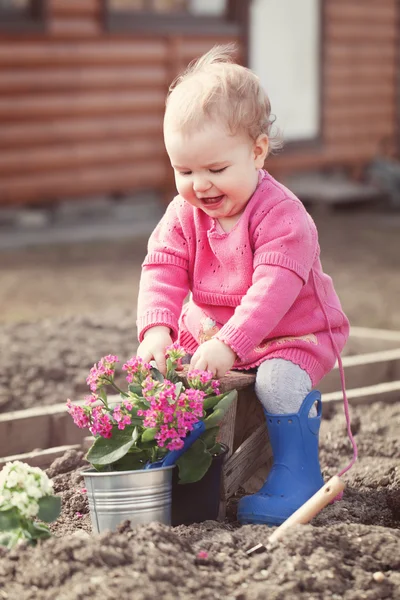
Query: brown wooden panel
x=350, y=72
x=108, y=51
x=353, y=32
x=26, y=135
x=341, y=154
x=358, y=53
x=80, y=104
x=360, y=113
x=74, y=7
x=371, y=92
x=74, y=156
x=44, y=187
x=26, y=81
x=69, y=27
x=360, y=134
x=367, y=11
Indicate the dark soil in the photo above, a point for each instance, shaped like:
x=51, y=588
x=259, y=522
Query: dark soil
x=62, y=308
x=350, y=551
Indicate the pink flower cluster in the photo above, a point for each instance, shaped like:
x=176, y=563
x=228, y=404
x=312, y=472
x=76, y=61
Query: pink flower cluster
x=137, y=370
x=173, y=416
x=102, y=373
x=203, y=380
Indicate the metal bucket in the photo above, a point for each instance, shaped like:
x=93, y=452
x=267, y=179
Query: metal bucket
x=139, y=496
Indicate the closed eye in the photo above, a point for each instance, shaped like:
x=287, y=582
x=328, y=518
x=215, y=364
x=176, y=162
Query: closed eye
x=218, y=170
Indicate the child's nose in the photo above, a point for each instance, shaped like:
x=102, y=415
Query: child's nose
x=201, y=184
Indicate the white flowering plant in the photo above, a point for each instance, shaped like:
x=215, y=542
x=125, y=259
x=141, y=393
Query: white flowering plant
x=26, y=493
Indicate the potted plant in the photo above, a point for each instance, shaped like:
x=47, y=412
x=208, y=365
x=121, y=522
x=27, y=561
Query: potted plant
x=156, y=423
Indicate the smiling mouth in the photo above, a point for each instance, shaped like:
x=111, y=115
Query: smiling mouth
x=212, y=201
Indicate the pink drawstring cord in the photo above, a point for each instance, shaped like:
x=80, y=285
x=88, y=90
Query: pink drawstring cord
x=345, y=400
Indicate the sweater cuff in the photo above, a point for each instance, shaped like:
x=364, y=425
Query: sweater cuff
x=157, y=317
x=236, y=339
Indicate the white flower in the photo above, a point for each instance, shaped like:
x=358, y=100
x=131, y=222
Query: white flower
x=22, y=486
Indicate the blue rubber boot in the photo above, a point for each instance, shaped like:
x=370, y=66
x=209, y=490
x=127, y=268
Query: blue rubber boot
x=295, y=475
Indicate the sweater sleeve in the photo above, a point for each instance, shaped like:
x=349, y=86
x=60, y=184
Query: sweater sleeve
x=285, y=249
x=164, y=280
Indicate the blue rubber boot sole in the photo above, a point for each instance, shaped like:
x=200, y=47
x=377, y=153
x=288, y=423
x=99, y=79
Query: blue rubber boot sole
x=295, y=475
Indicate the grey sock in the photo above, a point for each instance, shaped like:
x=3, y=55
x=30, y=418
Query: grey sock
x=281, y=386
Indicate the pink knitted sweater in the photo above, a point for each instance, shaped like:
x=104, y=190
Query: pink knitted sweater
x=259, y=288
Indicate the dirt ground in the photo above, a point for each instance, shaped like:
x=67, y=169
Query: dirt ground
x=350, y=551
x=62, y=308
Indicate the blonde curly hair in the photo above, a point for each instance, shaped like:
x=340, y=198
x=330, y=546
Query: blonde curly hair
x=215, y=87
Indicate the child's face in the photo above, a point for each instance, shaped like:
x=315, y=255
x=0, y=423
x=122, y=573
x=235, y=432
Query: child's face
x=215, y=171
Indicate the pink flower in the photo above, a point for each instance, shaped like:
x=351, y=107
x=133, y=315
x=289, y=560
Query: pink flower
x=202, y=554
x=79, y=414
x=137, y=370
x=101, y=423
x=102, y=373
x=84, y=491
x=79, y=515
x=202, y=380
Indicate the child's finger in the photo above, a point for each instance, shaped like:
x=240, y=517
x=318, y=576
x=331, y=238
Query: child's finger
x=159, y=357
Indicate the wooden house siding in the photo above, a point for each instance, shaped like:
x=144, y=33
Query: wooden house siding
x=81, y=109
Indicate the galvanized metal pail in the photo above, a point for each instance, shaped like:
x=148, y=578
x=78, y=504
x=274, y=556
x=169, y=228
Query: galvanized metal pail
x=139, y=496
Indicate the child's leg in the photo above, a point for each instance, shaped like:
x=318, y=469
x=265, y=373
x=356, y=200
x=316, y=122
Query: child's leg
x=281, y=386
x=293, y=423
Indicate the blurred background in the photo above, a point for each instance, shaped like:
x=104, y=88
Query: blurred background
x=84, y=176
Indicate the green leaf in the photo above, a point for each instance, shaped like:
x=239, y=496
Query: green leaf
x=105, y=451
x=49, y=508
x=10, y=539
x=135, y=388
x=149, y=434
x=211, y=401
x=131, y=462
x=219, y=410
x=9, y=519
x=194, y=463
x=37, y=531
x=155, y=374
x=209, y=437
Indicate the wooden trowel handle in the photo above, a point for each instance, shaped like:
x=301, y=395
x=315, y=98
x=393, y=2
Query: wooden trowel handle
x=312, y=507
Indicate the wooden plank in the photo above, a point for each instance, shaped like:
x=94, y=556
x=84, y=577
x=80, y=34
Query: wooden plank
x=254, y=453
x=226, y=434
x=355, y=33
x=109, y=51
x=70, y=28
x=76, y=130
x=381, y=392
x=87, y=78
x=26, y=430
x=364, y=370
x=104, y=179
x=365, y=12
x=75, y=156
x=74, y=7
x=356, y=92
x=40, y=458
x=81, y=104
x=349, y=72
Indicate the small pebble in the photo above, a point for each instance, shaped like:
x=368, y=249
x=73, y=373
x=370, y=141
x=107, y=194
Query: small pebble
x=378, y=576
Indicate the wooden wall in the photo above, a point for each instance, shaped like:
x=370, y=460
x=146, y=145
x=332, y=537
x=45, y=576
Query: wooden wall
x=81, y=110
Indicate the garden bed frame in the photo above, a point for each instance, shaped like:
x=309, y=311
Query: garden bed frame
x=372, y=368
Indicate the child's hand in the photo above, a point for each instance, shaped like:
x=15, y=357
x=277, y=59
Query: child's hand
x=155, y=342
x=214, y=356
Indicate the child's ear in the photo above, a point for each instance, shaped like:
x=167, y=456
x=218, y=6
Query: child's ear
x=260, y=150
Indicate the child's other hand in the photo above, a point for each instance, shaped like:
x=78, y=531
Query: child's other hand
x=155, y=342
x=214, y=356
